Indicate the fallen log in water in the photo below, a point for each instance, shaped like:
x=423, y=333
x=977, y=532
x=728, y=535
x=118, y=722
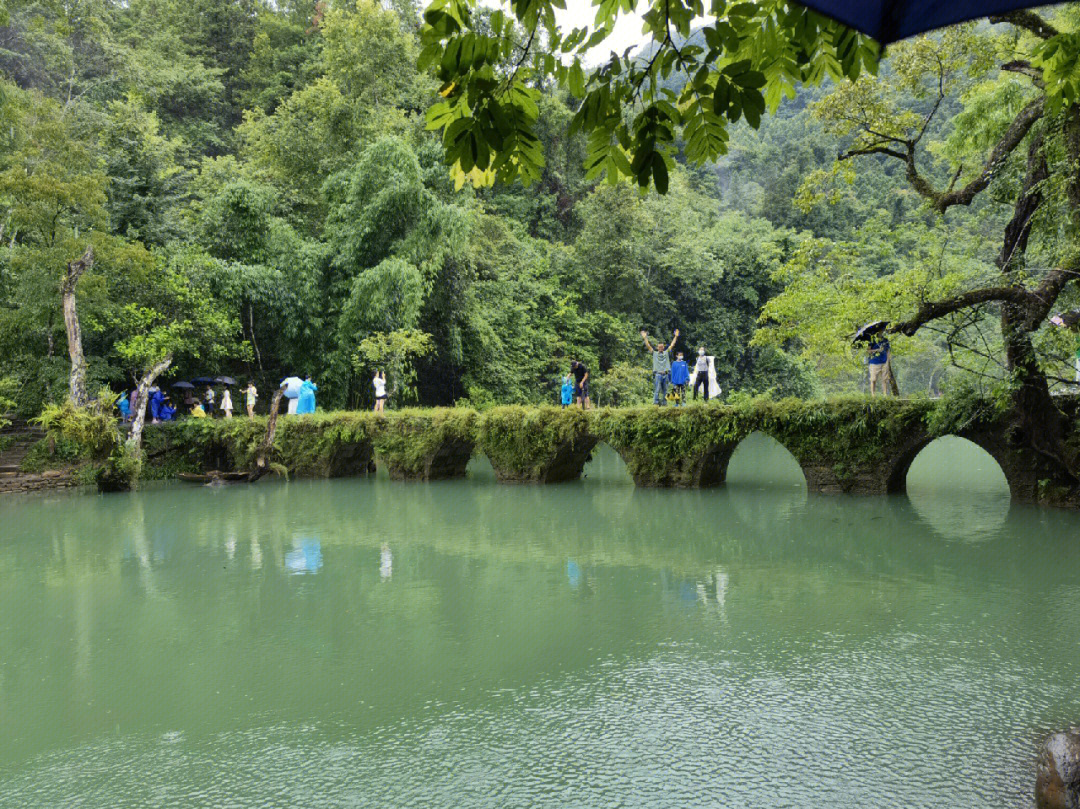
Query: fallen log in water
x=213, y=476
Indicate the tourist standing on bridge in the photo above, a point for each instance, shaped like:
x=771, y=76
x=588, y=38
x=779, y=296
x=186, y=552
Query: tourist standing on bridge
x=680, y=376
x=878, y=362
x=701, y=373
x=251, y=393
x=661, y=367
x=306, y=402
x=567, y=391
x=379, y=382
x=581, y=383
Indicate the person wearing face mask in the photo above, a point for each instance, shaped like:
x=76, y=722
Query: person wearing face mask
x=701, y=371
x=680, y=376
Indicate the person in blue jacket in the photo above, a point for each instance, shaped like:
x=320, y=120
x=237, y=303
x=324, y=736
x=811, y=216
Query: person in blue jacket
x=166, y=411
x=124, y=405
x=157, y=399
x=306, y=402
x=567, y=391
x=680, y=378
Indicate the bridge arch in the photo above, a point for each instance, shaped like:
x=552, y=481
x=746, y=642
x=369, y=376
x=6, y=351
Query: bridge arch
x=775, y=464
x=480, y=468
x=991, y=459
x=605, y=465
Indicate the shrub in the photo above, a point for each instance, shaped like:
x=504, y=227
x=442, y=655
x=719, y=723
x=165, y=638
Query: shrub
x=86, y=432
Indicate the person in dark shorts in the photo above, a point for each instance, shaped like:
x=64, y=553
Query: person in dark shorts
x=581, y=383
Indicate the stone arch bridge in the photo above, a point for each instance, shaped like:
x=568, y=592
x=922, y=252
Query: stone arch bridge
x=852, y=445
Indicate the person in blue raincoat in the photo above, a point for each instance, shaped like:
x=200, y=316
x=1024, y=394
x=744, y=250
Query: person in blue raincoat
x=157, y=399
x=306, y=404
x=167, y=412
x=567, y=390
x=124, y=405
x=680, y=377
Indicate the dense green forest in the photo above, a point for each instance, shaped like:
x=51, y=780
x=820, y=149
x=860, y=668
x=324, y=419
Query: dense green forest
x=263, y=197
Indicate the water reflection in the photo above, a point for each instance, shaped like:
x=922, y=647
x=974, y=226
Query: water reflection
x=573, y=573
x=959, y=490
x=386, y=563
x=305, y=557
x=714, y=621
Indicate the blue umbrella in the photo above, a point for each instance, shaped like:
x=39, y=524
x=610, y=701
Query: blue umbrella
x=204, y=380
x=890, y=20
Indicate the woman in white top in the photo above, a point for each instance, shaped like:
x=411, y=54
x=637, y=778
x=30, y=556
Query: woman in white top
x=380, y=390
x=226, y=402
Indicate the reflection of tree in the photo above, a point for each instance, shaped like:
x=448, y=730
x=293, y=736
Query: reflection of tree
x=480, y=598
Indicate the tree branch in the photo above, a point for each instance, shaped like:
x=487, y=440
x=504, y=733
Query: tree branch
x=885, y=150
x=1014, y=245
x=1045, y=295
x=932, y=310
x=1020, y=126
x=1028, y=20
x=1025, y=68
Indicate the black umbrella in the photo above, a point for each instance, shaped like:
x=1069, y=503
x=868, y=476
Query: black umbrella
x=226, y=380
x=869, y=330
x=204, y=380
x=182, y=385
x=890, y=20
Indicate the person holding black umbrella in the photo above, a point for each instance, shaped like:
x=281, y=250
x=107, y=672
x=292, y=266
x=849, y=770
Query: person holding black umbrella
x=878, y=356
x=877, y=360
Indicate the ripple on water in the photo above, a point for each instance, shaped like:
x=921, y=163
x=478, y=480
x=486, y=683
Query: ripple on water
x=839, y=727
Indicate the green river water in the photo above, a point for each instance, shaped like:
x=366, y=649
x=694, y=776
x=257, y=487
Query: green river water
x=368, y=643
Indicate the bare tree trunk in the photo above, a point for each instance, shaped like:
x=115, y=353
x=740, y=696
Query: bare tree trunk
x=255, y=345
x=135, y=438
x=262, y=457
x=77, y=379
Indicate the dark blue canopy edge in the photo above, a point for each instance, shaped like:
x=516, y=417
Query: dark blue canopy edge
x=891, y=20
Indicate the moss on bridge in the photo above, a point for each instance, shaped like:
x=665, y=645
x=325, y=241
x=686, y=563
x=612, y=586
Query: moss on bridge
x=853, y=444
x=425, y=444
x=537, y=445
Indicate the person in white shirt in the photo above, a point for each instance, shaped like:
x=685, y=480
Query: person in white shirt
x=380, y=390
x=226, y=402
x=701, y=373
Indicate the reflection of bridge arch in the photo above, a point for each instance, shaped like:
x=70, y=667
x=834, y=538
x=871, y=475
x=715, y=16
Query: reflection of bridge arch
x=958, y=489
